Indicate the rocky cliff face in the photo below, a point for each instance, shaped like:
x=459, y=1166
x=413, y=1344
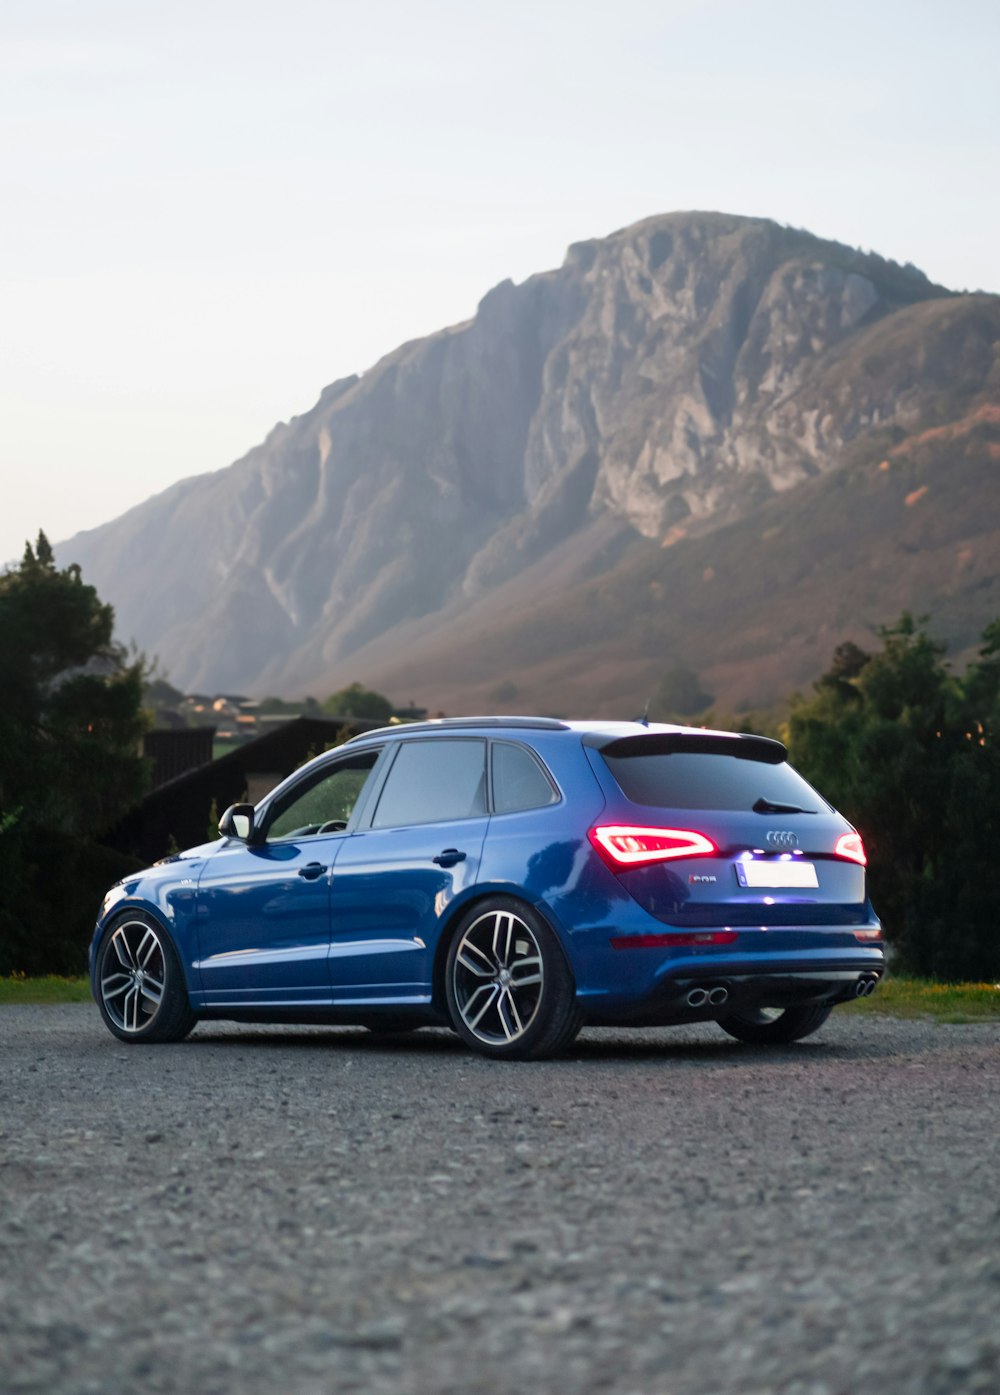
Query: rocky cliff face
x=663, y=382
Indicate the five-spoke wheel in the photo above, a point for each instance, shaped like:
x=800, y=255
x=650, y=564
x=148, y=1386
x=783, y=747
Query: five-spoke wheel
x=138, y=983
x=510, y=991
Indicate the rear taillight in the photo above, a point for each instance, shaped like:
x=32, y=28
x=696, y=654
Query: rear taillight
x=626, y=845
x=849, y=845
x=673, y=939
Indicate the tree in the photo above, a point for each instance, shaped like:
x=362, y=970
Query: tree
x=679, y=694
x=356, y=701
x=71, y=722
x=909, y=753
x=72, y=719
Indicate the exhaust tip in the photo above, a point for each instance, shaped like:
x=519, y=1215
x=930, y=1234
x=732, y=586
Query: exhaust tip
x=718, y=996
x=697, y=998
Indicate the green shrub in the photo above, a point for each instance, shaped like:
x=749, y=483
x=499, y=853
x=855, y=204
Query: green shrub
x=910, y=754
x=46, y=925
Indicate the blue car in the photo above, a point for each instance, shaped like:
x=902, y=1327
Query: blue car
x=512, y=878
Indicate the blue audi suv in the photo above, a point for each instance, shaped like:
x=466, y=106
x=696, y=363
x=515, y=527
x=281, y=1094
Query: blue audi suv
x=511, y=878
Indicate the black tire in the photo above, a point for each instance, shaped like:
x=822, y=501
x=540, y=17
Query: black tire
x=138, y=982
x=792, y=1024
x=510, y=990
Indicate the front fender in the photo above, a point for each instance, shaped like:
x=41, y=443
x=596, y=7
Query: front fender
x=169, y=894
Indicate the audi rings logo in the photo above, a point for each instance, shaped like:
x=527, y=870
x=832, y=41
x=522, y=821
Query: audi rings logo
x=779, y=838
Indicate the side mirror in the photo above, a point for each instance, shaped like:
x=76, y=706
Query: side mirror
x=237, y=822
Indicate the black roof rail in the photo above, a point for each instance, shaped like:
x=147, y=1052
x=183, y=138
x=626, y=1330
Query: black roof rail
x=464, y=724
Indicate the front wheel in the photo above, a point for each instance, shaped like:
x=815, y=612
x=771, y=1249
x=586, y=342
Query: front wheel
x=776, y=1026
x=510, y=991
x=138, y=982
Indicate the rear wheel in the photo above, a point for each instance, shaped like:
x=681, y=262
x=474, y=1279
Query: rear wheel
x=139, y=985
x=765, y=1026
x=510, y=990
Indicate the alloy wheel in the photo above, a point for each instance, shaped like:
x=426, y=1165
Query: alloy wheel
x=497, y=978
x=133, y=975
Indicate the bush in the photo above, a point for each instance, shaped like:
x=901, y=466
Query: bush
x=46, y=925
x=909, y=753
x=356, y=701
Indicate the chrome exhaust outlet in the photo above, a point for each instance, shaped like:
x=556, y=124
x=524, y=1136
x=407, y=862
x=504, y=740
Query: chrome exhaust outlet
x=697, y=998
x=718, y=996
x=861, y=988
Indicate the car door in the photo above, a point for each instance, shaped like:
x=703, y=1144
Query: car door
x=263, y=910
x=396, y=877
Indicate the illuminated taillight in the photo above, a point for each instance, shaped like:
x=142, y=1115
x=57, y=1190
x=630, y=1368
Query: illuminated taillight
x=626, y=845
x=850, y=845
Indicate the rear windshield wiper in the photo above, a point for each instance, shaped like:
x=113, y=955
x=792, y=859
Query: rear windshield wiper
x=768, y=806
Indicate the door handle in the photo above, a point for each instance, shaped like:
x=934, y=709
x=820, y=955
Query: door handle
x=449, y=857
x=311, y=871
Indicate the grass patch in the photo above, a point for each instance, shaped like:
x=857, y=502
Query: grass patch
x=923, y=997
x=51, y=989
x=895, y=997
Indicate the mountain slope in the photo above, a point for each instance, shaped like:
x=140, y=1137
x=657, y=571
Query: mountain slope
x=756, y=607
x=667, y=382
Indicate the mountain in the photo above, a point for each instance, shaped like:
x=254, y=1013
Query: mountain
x=705, y=440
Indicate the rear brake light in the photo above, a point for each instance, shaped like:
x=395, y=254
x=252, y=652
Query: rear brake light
x=850, y=845
x=625, y=845
x=672, y=939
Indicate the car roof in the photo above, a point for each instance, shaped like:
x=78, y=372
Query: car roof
x=602, y=730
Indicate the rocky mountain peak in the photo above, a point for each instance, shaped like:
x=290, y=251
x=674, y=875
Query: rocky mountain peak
x=660, y=384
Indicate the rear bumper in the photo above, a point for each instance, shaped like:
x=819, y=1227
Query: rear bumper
x=760, y=966
x=705, y=994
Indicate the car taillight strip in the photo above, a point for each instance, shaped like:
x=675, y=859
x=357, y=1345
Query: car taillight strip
x=671, y=939
x=634, y=845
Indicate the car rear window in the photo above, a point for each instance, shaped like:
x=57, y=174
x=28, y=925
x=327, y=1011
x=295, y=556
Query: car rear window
x=696, y=780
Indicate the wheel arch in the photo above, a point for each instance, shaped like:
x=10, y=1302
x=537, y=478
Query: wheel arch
x=459, y=912
x=128, y=909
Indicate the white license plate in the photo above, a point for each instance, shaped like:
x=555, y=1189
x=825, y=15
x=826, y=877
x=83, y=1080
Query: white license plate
x=790, y=873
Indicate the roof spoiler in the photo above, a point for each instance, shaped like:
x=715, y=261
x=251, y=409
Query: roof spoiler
x=759, y=748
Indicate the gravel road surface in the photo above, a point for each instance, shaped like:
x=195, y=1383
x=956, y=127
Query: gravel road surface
x=307, y=1211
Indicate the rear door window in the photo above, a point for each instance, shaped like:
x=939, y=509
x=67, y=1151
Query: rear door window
x=696, y=780
x=434, y=781
x=519, y=782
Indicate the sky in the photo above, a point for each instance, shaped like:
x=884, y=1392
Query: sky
x=211, y=209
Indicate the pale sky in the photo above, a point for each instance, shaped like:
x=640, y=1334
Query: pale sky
x=213, y=208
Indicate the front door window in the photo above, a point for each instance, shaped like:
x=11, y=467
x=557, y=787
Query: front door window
x=326, y=806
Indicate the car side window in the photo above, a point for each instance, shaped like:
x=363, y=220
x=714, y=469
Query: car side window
x=328, y=802
x=519, y=782
x=434, y=780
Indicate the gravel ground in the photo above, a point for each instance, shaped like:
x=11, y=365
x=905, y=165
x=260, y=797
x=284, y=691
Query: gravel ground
x=306, y=1211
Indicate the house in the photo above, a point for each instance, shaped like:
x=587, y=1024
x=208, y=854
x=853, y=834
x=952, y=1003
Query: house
x=183, y=810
